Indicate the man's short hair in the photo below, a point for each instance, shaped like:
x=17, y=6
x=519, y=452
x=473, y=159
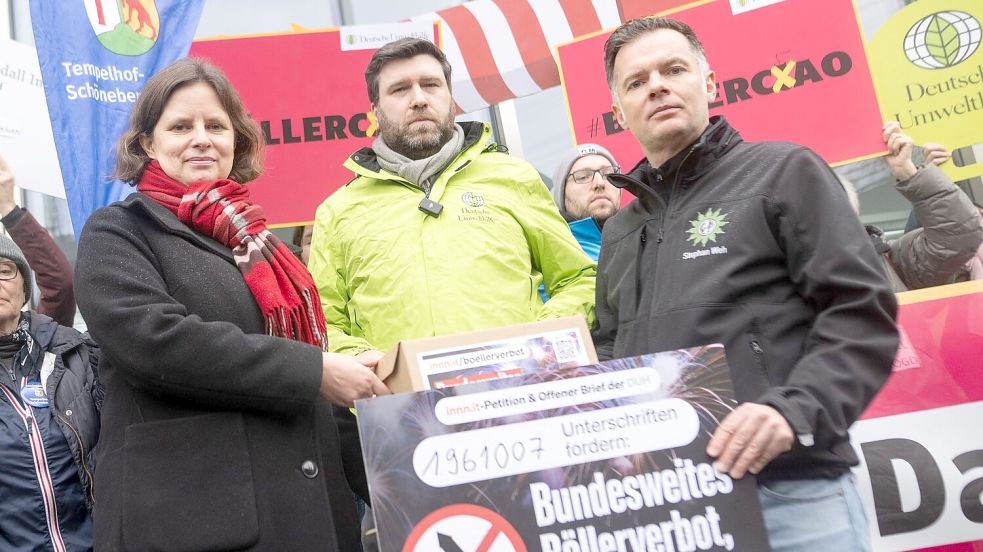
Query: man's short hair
x=629, y=31
x=403, y=48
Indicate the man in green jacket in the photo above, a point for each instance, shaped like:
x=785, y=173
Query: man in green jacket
x=441, y=231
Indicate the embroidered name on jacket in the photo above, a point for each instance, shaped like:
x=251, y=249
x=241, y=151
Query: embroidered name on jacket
x=715, y=250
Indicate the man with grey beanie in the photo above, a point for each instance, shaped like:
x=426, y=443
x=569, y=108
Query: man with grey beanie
x=583, y=194
x=49, y=420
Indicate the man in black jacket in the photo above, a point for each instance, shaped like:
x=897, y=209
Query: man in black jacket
x=752, y=245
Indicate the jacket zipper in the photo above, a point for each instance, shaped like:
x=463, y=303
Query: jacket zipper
x=85, y=465
x=803, y=433
x=754, y=342
x=660, y=266
x=643, y=241
x=672, y=192
x=638, y=270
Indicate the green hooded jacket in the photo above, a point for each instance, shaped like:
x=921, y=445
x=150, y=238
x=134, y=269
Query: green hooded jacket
x=386, y=271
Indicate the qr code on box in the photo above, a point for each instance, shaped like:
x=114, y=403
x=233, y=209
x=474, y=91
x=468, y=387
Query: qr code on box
x=566, y=349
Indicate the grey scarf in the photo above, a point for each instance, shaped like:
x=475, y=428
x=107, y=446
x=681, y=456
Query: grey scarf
x=419, y=171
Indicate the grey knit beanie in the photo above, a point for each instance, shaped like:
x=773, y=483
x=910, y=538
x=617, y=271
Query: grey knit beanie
x=563, y=170
x=9, y=250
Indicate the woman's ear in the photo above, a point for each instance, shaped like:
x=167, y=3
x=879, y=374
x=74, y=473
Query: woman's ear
x=148, y=146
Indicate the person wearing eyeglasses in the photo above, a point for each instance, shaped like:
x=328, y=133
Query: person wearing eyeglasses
x=52, y=270
x=49, y=420
x=583, y=194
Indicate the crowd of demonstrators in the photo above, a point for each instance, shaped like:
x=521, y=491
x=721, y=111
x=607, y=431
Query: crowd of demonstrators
x=942, y=249
x=223, y=421
x=54, y=272
x=440, y=231
x=215, y=432
x=49, y=420
x=752, y=245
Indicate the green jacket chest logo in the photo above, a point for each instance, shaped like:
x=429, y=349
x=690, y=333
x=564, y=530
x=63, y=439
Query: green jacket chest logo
x=474, y=209
x=706, y=227
x=472, y=199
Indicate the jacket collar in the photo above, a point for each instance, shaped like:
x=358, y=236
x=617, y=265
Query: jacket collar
x=364, y=161
x=170, y=223
x=687, y=165
x=44, y=330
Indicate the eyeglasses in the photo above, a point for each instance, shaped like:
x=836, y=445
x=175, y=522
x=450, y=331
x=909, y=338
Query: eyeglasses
x=586, y=176
x=8, y=271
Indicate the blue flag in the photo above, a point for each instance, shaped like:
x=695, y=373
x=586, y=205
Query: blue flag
x=95, y=57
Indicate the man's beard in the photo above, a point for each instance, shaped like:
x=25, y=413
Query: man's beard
x=416, y=144
x=600, y=213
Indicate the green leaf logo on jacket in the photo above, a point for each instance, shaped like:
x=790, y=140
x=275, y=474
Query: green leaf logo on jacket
x=706, y=227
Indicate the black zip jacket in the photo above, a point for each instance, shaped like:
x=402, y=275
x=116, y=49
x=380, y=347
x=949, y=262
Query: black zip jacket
x=753, y=245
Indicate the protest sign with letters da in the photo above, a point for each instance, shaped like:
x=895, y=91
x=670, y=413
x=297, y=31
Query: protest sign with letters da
x=792, y=70
x=578, y=458
x=919, y=442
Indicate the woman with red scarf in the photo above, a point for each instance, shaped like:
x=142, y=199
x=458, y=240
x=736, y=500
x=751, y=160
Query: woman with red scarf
x=217, y=431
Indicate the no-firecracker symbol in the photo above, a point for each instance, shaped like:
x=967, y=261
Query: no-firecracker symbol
x=464, y=528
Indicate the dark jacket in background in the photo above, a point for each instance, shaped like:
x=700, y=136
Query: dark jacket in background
x=68, y=430
x=213, y=434
x=784, y=277
x=950, y=233
x=52, y=270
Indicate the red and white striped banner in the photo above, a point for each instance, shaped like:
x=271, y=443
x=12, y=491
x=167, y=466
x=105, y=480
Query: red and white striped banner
x=504, y=49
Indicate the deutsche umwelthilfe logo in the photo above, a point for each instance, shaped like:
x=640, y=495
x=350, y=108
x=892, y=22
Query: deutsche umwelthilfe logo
x=942, y=39
x=472, y=200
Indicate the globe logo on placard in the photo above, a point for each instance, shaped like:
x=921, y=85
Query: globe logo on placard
x=942, y=39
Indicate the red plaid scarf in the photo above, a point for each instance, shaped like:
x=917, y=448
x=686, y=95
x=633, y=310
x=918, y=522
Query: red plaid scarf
x=222, y=210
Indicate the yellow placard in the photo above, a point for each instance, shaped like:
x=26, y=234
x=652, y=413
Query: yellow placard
x=927, y=64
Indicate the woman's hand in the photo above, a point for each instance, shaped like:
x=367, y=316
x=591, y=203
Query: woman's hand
x=6, y=189
x=370, y=358
x=899, y=152
x=935, y=153
x=344, y=379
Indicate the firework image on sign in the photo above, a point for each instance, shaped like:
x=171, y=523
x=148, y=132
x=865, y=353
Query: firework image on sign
x=576, y=458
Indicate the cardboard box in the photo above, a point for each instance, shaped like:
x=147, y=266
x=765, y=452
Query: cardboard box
x=445, y=361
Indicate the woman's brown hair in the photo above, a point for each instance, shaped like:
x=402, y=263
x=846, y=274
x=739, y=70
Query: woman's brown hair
x=131, y=159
